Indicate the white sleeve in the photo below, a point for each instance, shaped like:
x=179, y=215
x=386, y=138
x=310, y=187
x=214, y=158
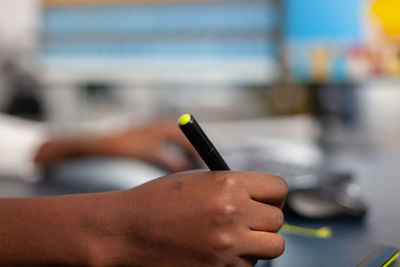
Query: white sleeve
x=19, y=141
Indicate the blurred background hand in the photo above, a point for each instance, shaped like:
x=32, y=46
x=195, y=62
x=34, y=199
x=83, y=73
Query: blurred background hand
x=161, y=144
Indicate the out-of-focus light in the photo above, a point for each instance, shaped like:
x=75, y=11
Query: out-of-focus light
x=387, y=13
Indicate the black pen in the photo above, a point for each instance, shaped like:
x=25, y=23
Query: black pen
x=201, y=143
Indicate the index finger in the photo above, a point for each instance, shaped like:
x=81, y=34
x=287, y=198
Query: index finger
x=264, y=187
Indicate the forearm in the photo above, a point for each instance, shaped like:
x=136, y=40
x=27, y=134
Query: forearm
x=60, y=149
x=47, y=231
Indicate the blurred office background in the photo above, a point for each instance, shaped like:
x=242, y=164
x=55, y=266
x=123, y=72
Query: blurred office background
x=81, y=60
x=326, y=72
x=130, y=61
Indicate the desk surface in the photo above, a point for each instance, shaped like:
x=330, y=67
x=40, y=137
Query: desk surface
x=376, y=172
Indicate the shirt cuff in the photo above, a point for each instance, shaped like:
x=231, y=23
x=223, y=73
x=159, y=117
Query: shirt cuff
x=19, y=142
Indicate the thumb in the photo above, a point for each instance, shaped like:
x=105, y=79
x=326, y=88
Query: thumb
x=172, y=160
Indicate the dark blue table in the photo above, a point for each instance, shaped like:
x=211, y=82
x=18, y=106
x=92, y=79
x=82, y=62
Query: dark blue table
x=376, y=172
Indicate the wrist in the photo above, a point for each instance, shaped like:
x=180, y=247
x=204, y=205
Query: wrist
x=111, y=229
x=74, y=230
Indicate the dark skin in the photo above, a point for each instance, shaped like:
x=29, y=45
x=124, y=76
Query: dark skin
x=146, y=144
x=196, y=218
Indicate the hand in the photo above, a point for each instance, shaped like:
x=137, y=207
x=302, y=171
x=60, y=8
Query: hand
x=150, y=144
x=196, y=218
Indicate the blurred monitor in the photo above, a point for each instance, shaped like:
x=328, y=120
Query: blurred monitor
x=214, y=41
x=325, y=40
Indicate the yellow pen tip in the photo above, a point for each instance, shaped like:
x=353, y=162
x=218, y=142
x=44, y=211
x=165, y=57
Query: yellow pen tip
x=184, y=119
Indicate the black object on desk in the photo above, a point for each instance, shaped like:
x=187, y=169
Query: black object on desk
x=330, y=195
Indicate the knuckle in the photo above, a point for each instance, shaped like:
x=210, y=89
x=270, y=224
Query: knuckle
x=278, y=217
x=225, y=179
x=229, y=210
x=222, y=242
x=278, y=246
x=225, y=214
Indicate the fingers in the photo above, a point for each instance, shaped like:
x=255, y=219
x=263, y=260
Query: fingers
x=264, y=187
x=174, y=162
x=262, y=217
x=197, y=171
x=262, y=245
x=177, y=137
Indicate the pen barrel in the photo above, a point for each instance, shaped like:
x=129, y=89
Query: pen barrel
x=203, y=146
x=216, y=165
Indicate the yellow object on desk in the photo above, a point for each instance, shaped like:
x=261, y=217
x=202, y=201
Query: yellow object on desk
x=392, y=259
x=323, y=232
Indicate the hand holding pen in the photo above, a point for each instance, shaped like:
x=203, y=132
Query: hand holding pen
x=195, y=218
